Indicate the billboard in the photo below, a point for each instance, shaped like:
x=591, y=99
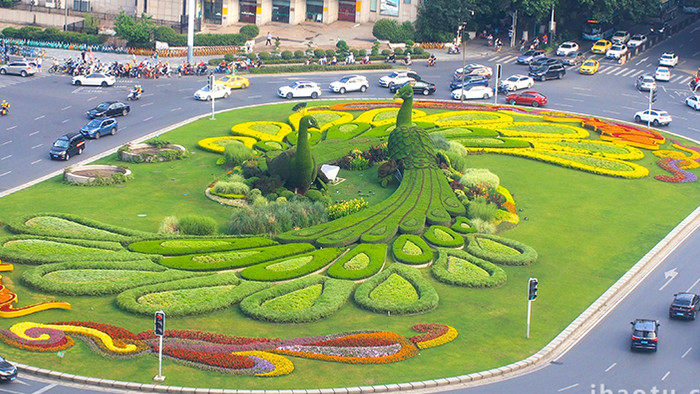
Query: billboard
x=389, y=7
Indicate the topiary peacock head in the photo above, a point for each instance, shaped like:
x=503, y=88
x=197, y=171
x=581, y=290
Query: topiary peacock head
x=308, y=122
x=405, y=92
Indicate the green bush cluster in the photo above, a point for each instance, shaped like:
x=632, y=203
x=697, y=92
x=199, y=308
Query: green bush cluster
x=443, y=237
x=277, y=217
x=35, y=250
x=268, y=146
x=389, y=29
x=53, y=34
x=510, y=252
x=345, y=208
x=427, y=296
x=94, y=278
x=480, y=209
x=334, y=295
x=191, y=296
x=249, y=31
x=346, y=131
x=362, y=261
x=71, y=226
x=457, y=267
x=499, y=142
x=403, y=250
x=317, y=67
x=196, y=225
x=225, y=187
x=114, y=179
x=234, y=259
x=293, y=266
x=235, y=153
x=479, y=176
x=182, y=246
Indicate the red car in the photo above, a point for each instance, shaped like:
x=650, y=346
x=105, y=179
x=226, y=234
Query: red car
x=527, y=98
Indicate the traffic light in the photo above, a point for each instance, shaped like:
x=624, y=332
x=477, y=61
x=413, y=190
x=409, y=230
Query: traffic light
x=211, y=83
x=160, y=323
x=459, y=30
x=498, y=70
x=653, y=95
x=532, y=289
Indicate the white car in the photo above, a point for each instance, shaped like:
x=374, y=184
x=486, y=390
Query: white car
x=662, y=74
x=617, y=51
x=300, y=89
x=95, y=79
x=637, y=40
x=206, y=94
x=349, y=83
x=567, y=47
x=645, y=82
x=516, y=82
x=398, y=78
x=668, y=59
x=473, y=69
x=473, y=92
x=693, y=102
x=655, y=117
x=620, y=37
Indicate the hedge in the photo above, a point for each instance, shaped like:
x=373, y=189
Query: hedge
x=333, y=296
x=268, y=146
x=375, y=254
x=292, y=267
x=488, y=142
x=80, y=227
x=453, y=132
x=463, y=225
x=53, y=34
x=408, y=240
x=443, y=237
x=346, y=131
x=446, y=269
x=522, y=254
x=384, y=130
x=317, y=67
x=91, y=283
x=182, y=246
x=189, y=296
x=235, y=259
x=427, y=296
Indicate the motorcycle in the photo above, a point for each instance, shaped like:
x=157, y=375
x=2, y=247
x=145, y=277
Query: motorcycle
x=390, y=58
x=4, y=111
x=201, y=70
x=432, y=62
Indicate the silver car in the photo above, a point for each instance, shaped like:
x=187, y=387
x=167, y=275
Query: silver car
x=24, y=69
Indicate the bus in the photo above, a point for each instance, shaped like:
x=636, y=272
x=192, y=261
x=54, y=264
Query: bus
x=595, y=30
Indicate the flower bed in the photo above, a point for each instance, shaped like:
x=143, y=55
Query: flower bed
x=435, y=335
x=500, y=250
x=145, y=153
x=96, y=175
x=70, y=226
x=234, y=259
x=443, y=237
x=385, y=116
x=33, y=250
x=262, y=130
x=411, y=249
x=218, y=144
x=346, y=131
x=427, y=297
x=679, y=175
x=362, y=261
x=292, y=267
x=457, y=267
x=325, y=118
x=182, y=246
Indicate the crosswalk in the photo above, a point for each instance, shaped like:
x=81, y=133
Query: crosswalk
x=607, y=68
x=9, y=80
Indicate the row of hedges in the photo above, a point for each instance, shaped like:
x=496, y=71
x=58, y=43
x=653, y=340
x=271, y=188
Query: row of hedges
x=362, y=261
x=35, y=250
x=234, y=259
x=292, y=267
x=297, y=301
x=500, y=250
x=182, y=246
x=427, y=296
x=71, y=226
x=411, y=249
x=191, y=296
x=457, y=267
x=96, y=278
x=52, y=34
x=317, y=67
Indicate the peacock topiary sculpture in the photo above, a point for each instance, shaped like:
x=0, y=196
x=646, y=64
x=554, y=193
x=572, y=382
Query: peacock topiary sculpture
x=410, y=146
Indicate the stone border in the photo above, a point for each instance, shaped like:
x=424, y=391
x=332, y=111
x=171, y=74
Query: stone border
x=130, y=156
x=70, y=176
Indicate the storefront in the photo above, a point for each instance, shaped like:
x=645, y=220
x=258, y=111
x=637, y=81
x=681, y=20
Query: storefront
x=346, y=10
x=280, y=11
x=247, y=11
x=212, y=11
x=314, y=10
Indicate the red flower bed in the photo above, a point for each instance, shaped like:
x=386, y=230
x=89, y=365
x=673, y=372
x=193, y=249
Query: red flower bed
x=431, y=331
x=223, y=360
x=357, y=340
x=207, y=337
x=57, y=340
x=679, y=175
x=113, y=331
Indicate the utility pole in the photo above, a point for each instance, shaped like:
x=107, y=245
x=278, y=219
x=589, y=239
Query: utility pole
x=514, y=15
x=190, y=32
x=65, y=16
x=552, y=26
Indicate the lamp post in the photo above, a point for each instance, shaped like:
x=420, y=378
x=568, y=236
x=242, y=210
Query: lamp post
x=462, y=31
x=552, y=26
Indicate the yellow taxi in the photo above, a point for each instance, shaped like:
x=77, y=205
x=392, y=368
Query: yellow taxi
x=601, y=46
x=234, y=81
x=590, y=67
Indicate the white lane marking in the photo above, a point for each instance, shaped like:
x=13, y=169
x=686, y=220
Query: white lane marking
x=65, y=121
x=611, y=112
x=586, y=95
x=36, y=132
x=693, y=285
x=187, y=97
x=146, y=105
x=629, y=108
x=6, y=142
x=162, y=84
x=65, y=108
x=92, y=98
x=5, y=173
x=45, y=388
x=641, y=61
x=567, y=387
x=11, y=127
x=611, y=367
x=672, y=273
x=565, y=105
x=35, y=161
x=175, y=109
x=148, y=118
x=37, y=146
x=630, y=95
x=573, y=99
x=123, y=127
x=182, y=90
x=666, y=375
x=252, y=97
x=694, y=129
x=149, y=94
x=686, y=352
x=6, y=157
x=580, y=88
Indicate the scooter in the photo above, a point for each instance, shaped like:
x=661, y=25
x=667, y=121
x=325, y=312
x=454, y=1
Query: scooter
x=133, y=95
x=4, y=111
x=432, y=62
x=390, y=58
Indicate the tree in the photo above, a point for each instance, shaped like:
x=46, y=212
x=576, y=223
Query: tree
x=132, y=29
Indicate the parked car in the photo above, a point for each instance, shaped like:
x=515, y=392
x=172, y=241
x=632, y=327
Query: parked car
x=620, y=37
x=616, y=51
x=215, y=92
x=469, y=80
x=67, y=145
x=96, y=128
x=419, y=87
x=662, y=74
x=573, y=59
x=668, y=59
x=398, y=77
x=545, y=61
x=590, y=67
x=349, y=83
x=658, y=27
x=645, y=83
x=300, y=89
x=567, y=47
x=532, y=54
x=234, y=81
x=109, y=108
x=8, y=372
x=24, y=69
x=637, y=40
x=645, y=334
x=534, y=99
x=516, y=82
x=693, y=102
x=655, y=117
x=548, y=72
x=684, y=305
x=473, y=69
x=472, y=92
x=601, y=46
x=94, y=79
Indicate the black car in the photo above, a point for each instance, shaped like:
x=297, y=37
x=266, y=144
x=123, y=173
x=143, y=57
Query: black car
x=469, y=80
x=645, y=334
x=8, y=372
x=109, y=109
x=419, y=87
x=574, y=58
x=684, y=305
x=658, y=27
x=66, y=146
x=545, y=61
x=548, y=72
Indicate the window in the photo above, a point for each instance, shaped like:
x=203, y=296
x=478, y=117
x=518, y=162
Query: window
x=373, y=5
x=407, y=1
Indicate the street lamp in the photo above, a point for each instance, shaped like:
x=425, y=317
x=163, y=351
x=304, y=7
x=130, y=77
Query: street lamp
x=461, y=31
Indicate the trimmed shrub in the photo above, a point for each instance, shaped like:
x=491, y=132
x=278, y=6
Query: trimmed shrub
x=463, y=225
x=224, y=187
x=500, y=250
x=197, y=225
x=443, y=237
x=319, y=53
x=483, y=226
x=411, y=249
x=182, y=246
x=457, y=267
x=71, y=226
x=249, y=31
x=292, y=267
x=299, y=54
x=362, y=261
x=399, y=289
x=234, y=259
x=479, y=176
x=33, y=250
x=298, y=301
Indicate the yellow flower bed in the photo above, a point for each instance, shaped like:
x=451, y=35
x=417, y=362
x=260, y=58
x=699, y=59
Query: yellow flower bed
x=449, y=336
x=575, y=132
x=552, y=145
x=20, y=328
x=343, y=117
x=282, y=364
x=369, y=116
x=506, y=194
x=211, y=143
x=442, y=119
x=689, y=161
x=246, y=129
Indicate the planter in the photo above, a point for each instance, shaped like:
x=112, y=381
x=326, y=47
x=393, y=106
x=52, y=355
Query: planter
x=145, y=153
x=88, y=174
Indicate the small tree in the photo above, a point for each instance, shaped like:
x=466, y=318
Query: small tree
x=133, y=30
x=249, y=31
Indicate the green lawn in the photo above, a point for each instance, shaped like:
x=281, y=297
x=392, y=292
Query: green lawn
x=587, y=229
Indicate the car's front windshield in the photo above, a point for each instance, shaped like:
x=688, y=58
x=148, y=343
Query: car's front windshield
x=205, y=88
x=344, y=79
x=102, y=107
x=94, y=123
x=61, y=143
x=512, y=79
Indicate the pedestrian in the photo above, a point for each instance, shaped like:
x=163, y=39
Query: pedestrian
x=269, y=39
x=82, y=54
x=522, y=44
x=248, y=47
x=545, y=39
x=38, y=63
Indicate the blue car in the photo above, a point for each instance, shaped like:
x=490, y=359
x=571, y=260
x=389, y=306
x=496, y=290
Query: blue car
x=469, y=81
x=531, y=55
x=99, y=127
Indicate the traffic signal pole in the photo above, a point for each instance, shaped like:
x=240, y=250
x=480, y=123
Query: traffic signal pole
x=531, y=295
x=529, y=308
x=160, y=331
